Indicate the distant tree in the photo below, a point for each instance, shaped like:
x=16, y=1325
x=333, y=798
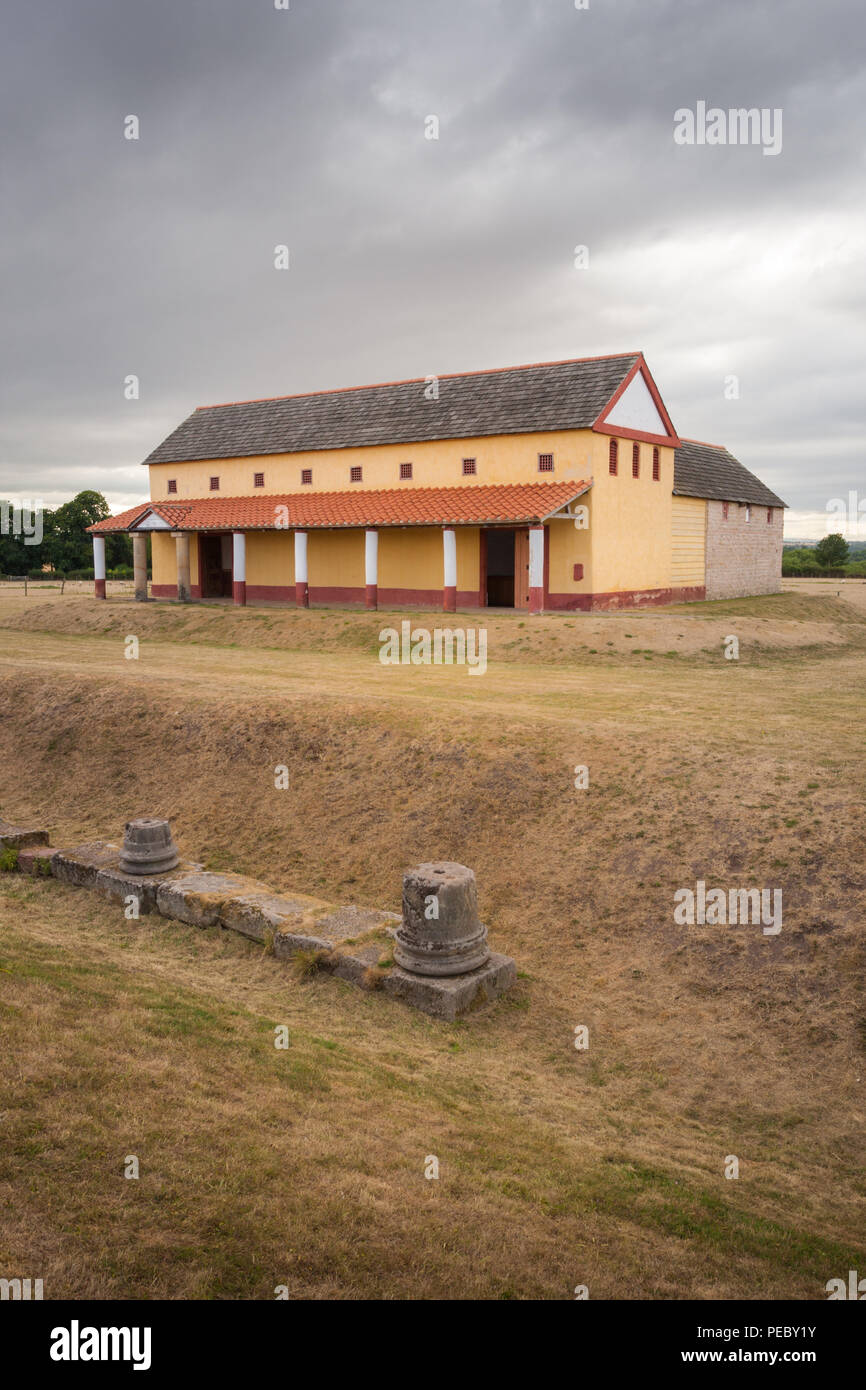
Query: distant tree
x=67, y=546
x=15, y=556
x=831, y=551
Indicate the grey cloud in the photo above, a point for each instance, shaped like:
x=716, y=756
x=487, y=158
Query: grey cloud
x=409, y=256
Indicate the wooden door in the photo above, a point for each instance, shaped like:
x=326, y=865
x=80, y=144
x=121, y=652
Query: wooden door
x=521, y=568
x=211, y=566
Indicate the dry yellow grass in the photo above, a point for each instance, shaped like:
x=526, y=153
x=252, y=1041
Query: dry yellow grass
x=558, y=1167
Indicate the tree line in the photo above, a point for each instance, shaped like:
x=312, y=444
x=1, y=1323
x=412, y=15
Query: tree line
x=65, y=547
x=831, y=556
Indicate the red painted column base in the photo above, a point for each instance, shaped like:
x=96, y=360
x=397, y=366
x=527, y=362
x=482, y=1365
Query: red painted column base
x=449, y=599
x=99, y=588
x=302, y=594
x=371, y=596
x=239, y=591
x=536, y=601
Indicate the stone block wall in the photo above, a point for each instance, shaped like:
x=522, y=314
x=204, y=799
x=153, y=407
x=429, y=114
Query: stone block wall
x=744, y=556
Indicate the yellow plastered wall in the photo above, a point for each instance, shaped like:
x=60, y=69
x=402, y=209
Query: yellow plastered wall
x=569, y=547
x=631, y=519
x=335, y=559
x=689, y=547
x=628, y=545
x=411, y=558
x=271, y=558
x=468, y=559
x=506, y=458
x=164, y=558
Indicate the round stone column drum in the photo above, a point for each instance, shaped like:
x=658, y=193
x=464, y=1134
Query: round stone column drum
x=148, y=847
x=440, y=933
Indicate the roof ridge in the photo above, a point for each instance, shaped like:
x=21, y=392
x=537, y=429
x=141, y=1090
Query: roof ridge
x=416, y=380
x=705, y=444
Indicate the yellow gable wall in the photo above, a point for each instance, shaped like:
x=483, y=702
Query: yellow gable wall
x=507, y=458
x=631, y=520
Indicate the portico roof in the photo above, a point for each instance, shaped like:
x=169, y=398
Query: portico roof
x=477, y=505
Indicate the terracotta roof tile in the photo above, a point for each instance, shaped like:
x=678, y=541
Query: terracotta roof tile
x=510, y=503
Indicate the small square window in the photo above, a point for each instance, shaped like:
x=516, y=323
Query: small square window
x=356, y=473
x=214, y=484
x=172, y=484
x=613, y=456
x=469, y=468
x=306, y=476
x=405, y=470
x=545, y=463
x=258, y=480
x=657, y=467
x=635, y=460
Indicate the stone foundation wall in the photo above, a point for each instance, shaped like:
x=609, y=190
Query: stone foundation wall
x=743, y=557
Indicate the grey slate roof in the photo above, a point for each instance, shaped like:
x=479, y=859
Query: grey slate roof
x=517, y=400
x=708, y=470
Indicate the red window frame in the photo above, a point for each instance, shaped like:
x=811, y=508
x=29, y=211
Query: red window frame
x=657, y=466
x=469, y=468
x=356, y=473
x=306, y=476
x=613, y=457
x=405, y=471
x=172, y=485
x=545, y=463
x=258, y=480
x=769, y=516
x=214, y=484
x=725, y=506
x=635, y=460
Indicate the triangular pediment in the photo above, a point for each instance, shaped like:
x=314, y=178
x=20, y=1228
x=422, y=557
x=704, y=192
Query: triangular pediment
x=151, y=521
x=637, y=410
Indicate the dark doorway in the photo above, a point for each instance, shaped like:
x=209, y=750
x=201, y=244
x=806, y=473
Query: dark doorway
x=215, y=565
x=500, y=568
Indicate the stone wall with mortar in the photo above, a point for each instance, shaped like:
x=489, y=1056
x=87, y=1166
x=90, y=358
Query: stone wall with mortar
x=743, y=556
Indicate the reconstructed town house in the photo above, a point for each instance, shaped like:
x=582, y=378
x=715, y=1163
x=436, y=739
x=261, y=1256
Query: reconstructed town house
x=560, y=486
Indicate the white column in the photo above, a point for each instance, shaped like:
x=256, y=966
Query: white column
x=371, y=569
x=99, y=566
x=449, y=558
x=302, y=588
x=536, y=569
x=239, y=567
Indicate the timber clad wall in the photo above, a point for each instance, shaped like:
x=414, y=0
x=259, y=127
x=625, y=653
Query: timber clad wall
x=688, y=550
x=743, y=557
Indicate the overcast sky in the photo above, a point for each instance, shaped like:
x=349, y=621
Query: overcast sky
x=410, y=256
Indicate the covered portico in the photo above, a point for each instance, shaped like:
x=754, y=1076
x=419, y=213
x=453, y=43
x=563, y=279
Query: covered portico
x=366, y=548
